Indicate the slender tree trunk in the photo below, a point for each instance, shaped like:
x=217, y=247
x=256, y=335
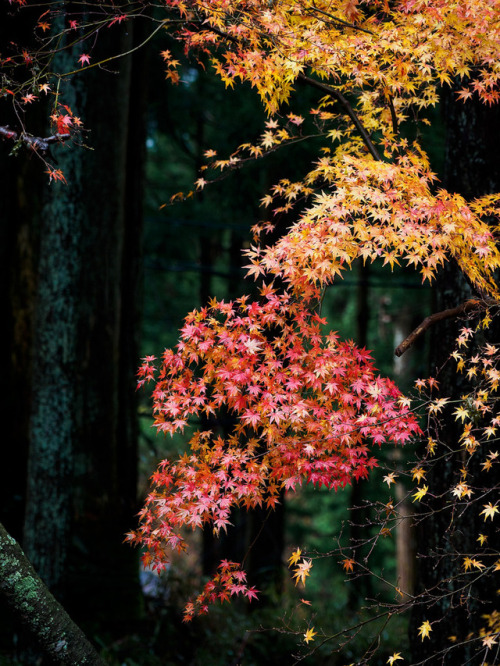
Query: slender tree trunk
x=360, y=586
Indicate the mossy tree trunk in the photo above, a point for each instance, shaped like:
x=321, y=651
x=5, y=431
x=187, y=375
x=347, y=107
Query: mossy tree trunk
x=44, y=620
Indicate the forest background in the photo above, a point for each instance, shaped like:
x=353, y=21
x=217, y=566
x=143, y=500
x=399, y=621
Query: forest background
x=99, y=272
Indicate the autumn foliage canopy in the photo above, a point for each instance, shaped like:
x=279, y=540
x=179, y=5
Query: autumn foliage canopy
x=300, y=405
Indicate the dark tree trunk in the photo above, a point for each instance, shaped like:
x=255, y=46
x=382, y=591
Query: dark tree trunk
x=21, y=183
x=266, y=544
x=472, y=168
x=55, y=381
x=72, y=297
x=105, y=472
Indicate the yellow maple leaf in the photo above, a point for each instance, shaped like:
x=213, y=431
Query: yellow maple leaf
x=294, y=557
x=462, y=490
x=418, y=473
x=425, y=629
x=395, y=657
x=420, y=493
x=309, y=635
x=461, y=413
x=470, y=562
x=489, y=510
x=467, y=563
x=482, y=539
x=431, y=446
x=437, y=405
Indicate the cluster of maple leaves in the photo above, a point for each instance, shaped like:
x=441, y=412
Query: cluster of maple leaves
x=303, y=406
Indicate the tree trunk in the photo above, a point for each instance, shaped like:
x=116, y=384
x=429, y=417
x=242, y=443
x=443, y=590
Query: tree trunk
x=359, y=514
x=41, y=616
x=55, y=366
x=81, y=496
x=471, y=168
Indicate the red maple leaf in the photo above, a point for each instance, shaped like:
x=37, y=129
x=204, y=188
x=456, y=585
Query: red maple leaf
x=84, y=59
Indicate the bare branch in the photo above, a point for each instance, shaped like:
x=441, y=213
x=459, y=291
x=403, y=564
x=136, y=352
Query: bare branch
x=433, y=318
x=37, y=143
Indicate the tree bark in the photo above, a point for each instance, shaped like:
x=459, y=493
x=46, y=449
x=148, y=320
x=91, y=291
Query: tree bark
x=81, y=496
x=43, y=619
x=55, y=363
x=471, y=169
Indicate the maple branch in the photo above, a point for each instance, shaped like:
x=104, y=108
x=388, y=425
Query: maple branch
x=395, y=124
x=340, y=21
x=33, y=142
x=336, y=94
x=432, y=319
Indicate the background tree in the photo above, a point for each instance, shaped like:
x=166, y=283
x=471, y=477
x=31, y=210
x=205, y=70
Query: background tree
x=74, y=313
x=470, y=169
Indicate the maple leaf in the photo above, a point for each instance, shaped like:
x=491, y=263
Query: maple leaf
x=421, y=492
x=348, y=564
x=462, y=490
x=425, y=629
x=489, y=640
x=309, y=635
x=84, y=59
x=56, y=174
x=489, y=510
x=390, y=478
x=117, y=19
x=395, y=657
x=472, y=562
x=417, y=473
x=294, y=557
x=461, y=413
x=302, y=571
x=437, y=405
